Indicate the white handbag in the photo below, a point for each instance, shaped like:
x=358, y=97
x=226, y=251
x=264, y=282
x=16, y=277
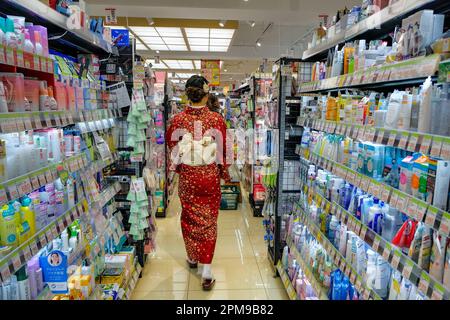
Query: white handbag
x=196, y=153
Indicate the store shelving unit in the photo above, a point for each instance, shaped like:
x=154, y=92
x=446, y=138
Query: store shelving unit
x=374, y=27
x=84, y=41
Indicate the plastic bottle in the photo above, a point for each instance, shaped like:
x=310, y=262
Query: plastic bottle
x=23, y=284
x=44, y=103
x=12, y=40
x=2, y=31
x=9, y=224
x=28, y=215
x=3, y=101
x=65, y=241
x=37, y=43
x=51, y=99
x=28, y=45
x=424, y=124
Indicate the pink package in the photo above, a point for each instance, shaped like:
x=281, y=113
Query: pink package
x=44, y=38
x=14, y=91
x=31, y=92
x=70, y=98
x=61, y=96
x=79, y=98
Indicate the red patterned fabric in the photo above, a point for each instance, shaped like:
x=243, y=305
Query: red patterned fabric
x=199, y=187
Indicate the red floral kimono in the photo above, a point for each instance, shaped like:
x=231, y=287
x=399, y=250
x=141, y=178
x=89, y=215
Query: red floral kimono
x=199, y=186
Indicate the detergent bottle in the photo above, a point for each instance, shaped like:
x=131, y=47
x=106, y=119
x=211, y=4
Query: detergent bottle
x=28, y=215
x=9, y=222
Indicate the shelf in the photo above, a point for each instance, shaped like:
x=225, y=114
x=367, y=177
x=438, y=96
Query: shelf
x=394, y=256
x=428, y=144
x=435, y=218
x=14, y=188
x=320, y=291
x=286, y=282
x=339, y=260
x=374, y=27
x=400, y=74
x=39, y=13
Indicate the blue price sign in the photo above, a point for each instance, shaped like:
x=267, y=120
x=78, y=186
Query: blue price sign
x=120, y=37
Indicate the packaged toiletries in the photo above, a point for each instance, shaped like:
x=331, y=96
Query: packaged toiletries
x=437, y=258
x=446, y=277
x=425, y=248
x=13, y=84
x=9, y=226
x=414, y=249
x=424, y=124
x=31, y=92
x=405, y=235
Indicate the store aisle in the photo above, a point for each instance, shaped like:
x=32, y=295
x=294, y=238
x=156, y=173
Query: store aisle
x=240, y=265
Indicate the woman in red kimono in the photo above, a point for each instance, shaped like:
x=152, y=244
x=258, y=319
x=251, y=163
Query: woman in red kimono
x=199, y=186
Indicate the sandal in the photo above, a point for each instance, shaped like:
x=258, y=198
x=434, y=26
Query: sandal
x=192, y=265
x=208, y=284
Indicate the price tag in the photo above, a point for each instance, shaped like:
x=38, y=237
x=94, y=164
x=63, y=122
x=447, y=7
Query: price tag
x=380, y=136
x=403, y=140
x=407, y=269
x=10, y=56
x=24, y=186
x=402, y=202
x=394, y=198
x=444, y=226
x=392, y=136
x=365, y=183
x=436, y=146
x=358, y=226
x=13, y=192
x=445, y=149
x=362, y=234
x=430, y=218
x=353, y=277
x=3, y=196
x=438, y=292
x=387, y=251
x=396, y=258
x=376, y=243
x=48, y=120
x=27, y=124
x=37, y=122
x=425, y=144
x=421, y=209
x=366, y=294
x=54, y=231
x=4, y=272
x=385, y=191
x=48, y=176
x=27, y=253
x=360, y=135
x=16, y=262
x=43, y=240
x=42, y=179
x=424, y=282
x=412, y=144
x=57, y=120
x=34, y=249
x=20, y=125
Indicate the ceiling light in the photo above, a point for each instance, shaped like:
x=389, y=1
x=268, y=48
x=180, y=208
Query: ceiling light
x=218, y=49
x=157, y=51
x=222, y=23
x=175, y=47
x=198, y=41
x=145, y=31
x=174, y=41
x=199, y=48
x=150, y=21
x=222, y=33
x=219, y=42
x=225, y=70
x=158, y=46
x=258, y=43
x=152, y=40
x=169, y=32
x=197, y=64
x=140, y=46
x=197, y=32
x=252, y=23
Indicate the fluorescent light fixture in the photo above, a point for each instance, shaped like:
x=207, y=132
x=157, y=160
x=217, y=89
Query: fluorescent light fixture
x=186, y=64
x=185, y=75
x=140, y=46
x=158, y=47
x=152, y=40
x=198, y=64
x=222, y=33
x=219, y=42
x=150, y=21
x=145, y=31
x=169, y=32
x=198, y=41
x=179, y=41
x=222, y=23
x=197, y=32
x=218, y=49
x=176, y=47
x=199, y=48
x=179, y=64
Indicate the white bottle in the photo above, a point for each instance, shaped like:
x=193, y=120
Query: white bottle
x=65, y=241
x=73, y=243
x=37, y=42
x=3, y=101
x=28, y=45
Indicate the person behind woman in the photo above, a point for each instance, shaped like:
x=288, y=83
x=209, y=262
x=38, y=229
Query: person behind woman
x=213, y=104
x=199, y=185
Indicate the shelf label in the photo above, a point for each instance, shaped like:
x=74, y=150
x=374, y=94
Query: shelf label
x=438, y=292
x=3, y=196
x=412, y=144
x=425, y=144
x=48, y=176
x=430, y=218
x=37, y=122
x=4, y=272
x=385, y=192
x=445, y=149
x=13, y=192
x=10, y=56
x=57, y=120
x=376, y=243
x=396, y=258
x=424, y=282
x=407, y=269
x=402, y=202
x=392, y=136
x=436, y=146
x=48, y=121
x=34, y=249
x=403, y=140
x=24, y=187
x=380, y=136
x=363, y=232
x=387, y=251
x=16, y=262
x=444, y=226
x=421, y=209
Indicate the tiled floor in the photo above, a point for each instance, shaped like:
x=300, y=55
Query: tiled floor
x=240, y=264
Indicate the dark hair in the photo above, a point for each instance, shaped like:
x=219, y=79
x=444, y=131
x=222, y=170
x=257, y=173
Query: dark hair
x=194, y=88
x=213, y=103
x=195, y=94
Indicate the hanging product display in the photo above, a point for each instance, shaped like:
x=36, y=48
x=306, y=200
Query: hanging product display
x=138, y=119
x=139, y=208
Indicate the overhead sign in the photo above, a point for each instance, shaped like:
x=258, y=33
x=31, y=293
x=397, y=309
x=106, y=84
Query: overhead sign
x=211, y=71
x=120, y=37
x=111, y=17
